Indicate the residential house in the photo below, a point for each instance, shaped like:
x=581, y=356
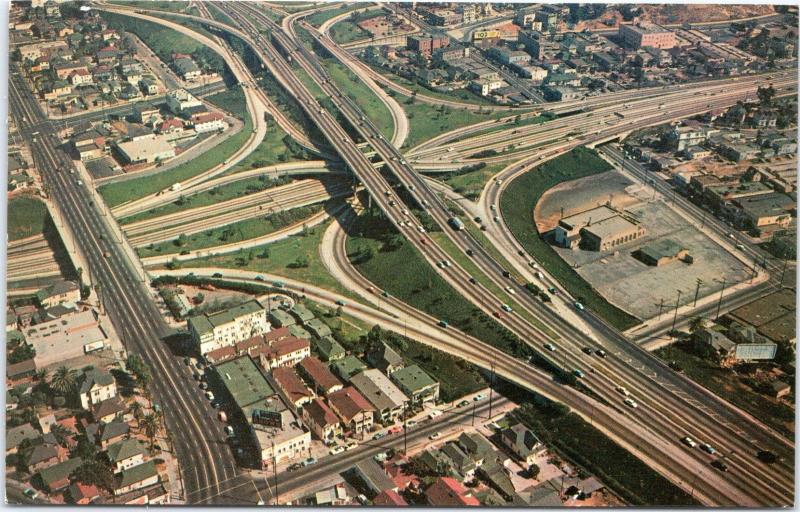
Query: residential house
x=44, y=455
x=187, y=69
x=354, y=410
x=173, y=129
x=106, y=434
x=149, y=86
x=56, y=478
x=80, y=77
x=389, y=402
x=447, y=492
x=321, y=379
x=56, y=90
x=477, y=446
x=389, y=498
x=522, y=442
x=318, y=328
x=208, y=122
x=373, y=476
x=322, y=421
x=379, y=355
x=96, y=386
x=348, y=366
x=292, y=386
x=417, y=385
x=61, y=291
x=126, y=454
x=136, y=477
x=180, y=101
x=108, y=410
x=147, y=114
x=83, y=494
x=460, y=461
x=329, y=349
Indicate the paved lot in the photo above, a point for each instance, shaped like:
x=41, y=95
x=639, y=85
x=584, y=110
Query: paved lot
x=638, y=288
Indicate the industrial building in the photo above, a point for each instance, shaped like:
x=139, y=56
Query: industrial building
x=149, y=149
x=652, y=35
x=661, y=252
x=599, y=229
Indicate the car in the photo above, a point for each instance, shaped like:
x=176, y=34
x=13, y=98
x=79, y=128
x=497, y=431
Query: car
x=478, y=220
x=443, y=324
x=472, y=280
x=340, y=303
x=621, y=390
x=493, y=208
x=229, y=430
x=204, y=386
x=708, y=448
x=380, y=457
x=422, y=240
x=446, y=263
x=497, y=314
x=688, y=441
x=462, y=403
x=521, y=252
x=80, y=183
x=740, y=247
x=396, y=429
x=533, y=264
x=434, y=414
x=578, y=373
x=552, y=290
x=405, y=212
x=600, y=352
x=293, y=467
x=30, y=493
x=106, y=254
x=349, y=446
x=630, y=402
x=587, y=350
x=259, y=278
x=506, y=308
x=421, y=229
x=767, y=457
x=309, y=462
x=411, y=424
x=579, y=306
x=496, y=218
x=209, y=395
x=336, y=450
x=470, y=252
x=379, y=435
x=720, y=465
x=510, y=290
x=217, y=275
x=435, y=436
x=479, y=397
x=550, y=347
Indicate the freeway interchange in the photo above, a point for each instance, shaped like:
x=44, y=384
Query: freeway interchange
x=671, y=406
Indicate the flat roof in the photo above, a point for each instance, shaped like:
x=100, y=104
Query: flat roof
x=596, y=214
x=413, y=378
x=63, y=338
x=244, y=381
x=610, y=226
x=206, y=323
x=143, y=149
x=663, y=248
x=378, y=389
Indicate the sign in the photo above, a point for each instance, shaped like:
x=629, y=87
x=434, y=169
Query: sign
x=267, y=418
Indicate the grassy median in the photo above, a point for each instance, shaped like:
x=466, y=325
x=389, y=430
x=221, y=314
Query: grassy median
x=517, y=205
x=427, y=121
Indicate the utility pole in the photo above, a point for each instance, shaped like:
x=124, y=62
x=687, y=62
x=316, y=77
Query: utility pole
x=660, y=308
x=274, y=471
x=405, y=431
x=783, y=272
x=675, y=316
x=719, y=304
x=697, y=291
x=491, y=385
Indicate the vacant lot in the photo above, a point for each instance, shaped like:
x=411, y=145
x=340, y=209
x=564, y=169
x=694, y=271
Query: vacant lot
x=26, y=217
x=517, y=205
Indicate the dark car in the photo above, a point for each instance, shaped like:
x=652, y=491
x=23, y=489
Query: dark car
x=767, y=457
x=587, y=350
x=719, y=465
x=217, y=275
x=600, y=352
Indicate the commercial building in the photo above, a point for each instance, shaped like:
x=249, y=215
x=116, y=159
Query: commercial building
x=417, y=385
x=149, y=149
x=389, y=402
x=661, y=252
x=427, y=44
x=225, y=328
x=731, y=351
x=181, y=100
x=57, y=293
x=275, y=430
x=598, y=229
x=652, y=35
x=768, y=210
x=209, y=122
x=64, y=338
x=683, y=137
x=373, y=476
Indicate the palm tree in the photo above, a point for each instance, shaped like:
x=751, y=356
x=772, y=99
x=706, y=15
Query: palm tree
x=138, y=411
x=150, y=425
x=64, y=380
x=41, y=375
x=697, y=323
x=61, y=433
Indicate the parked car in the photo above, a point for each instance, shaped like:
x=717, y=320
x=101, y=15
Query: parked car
x=309, y=462
x=479, y=397
x=379, y=435
x=337, y=450
x=435, y=436
x=229, y=430
x=434, y=414
x=31, y=493
x=209, y=395
x=463, y=403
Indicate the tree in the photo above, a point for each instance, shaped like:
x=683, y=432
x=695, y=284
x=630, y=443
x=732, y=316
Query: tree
x=697, y=323
x=61, y=433
x=95, y=471
x=765, y=95
x=533, y=471
x=64, y=380
x=199, y=298
x=150, y=425
x=85, y=449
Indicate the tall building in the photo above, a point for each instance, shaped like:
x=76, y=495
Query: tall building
x=654, y=36
x=226, y=328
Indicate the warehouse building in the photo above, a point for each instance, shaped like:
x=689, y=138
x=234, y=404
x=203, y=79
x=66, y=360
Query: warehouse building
x=146, y=150
x=597, y=229
x=662, y=252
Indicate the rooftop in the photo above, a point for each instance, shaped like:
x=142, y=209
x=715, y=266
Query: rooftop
x=206, y=323
x=136, y=474
x=413, y=378
x=348, y=366
x=378, y=389
x=244, y=381
x=661, y=248
x=349, y=402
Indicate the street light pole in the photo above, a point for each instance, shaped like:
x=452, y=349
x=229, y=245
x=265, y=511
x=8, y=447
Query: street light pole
x=719, y=304
x=697, y=291
x=675, y=316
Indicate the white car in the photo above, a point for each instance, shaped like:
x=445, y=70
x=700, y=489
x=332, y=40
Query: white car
x=435, y=413
x=621, y=390
x=228, y=430
x=506, y=308
x=479, y=397
x=510, y=290
x=435, y=436
x=550, y=347
x=411, y=424
x=421, y=229
x=630, y=402
x=405, y=212
x=579, y=306
x=337, y=449
x=209, y=395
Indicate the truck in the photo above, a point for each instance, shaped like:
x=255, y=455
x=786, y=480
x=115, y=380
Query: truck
x=175, y=187
x=455, y=223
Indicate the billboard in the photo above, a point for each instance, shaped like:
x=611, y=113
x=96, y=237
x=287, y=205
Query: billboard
x=267, y=418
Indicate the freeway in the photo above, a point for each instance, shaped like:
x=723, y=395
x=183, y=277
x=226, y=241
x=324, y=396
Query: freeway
x=203, y=455
x=377, y=186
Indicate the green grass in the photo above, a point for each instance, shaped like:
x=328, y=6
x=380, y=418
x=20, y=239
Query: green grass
x=382, y=256
x=209, y=197
x=586, y=447
x=470, y=184
x=26, y=217
x=321, y=17
x=467, y=264
x=517, y=205
x=121, y=192
x=178, y=7
x=346, y=32
x=732, y=387
x=273, y=150
x=427, y=121
x=281, y=260
x=231, y=100
x=231, y=233
x=358, y=91
x=309, y=82
x=506, y=125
